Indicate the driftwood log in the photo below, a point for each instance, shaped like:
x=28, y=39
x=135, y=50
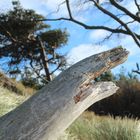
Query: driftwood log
x=52, y=109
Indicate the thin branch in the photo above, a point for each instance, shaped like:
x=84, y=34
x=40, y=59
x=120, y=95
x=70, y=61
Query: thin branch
x=118, y=20
x=89, y=27
x=57, y=10
x=69, y=10
x=109, y=36
x=121, y=15
x=8, y=34
x=132, y=21
x=106, y=38
x=135, y=71
x=50, y=59
x=38, y=74
x=118, y=6
x=138, y=69
x=138, y=6
x=56, y=69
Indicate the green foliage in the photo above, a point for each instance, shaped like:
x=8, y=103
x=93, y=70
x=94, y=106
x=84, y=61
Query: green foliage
x=28, y=79
x=25, y=40
x=55, y=38
x=120, y=46
x=107, y=76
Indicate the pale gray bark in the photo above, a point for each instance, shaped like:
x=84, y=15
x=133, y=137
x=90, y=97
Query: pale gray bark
x=50, y=111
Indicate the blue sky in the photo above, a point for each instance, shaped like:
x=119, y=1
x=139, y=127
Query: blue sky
x=83, y=43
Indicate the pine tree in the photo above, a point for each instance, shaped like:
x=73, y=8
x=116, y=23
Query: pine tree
x=26, y=41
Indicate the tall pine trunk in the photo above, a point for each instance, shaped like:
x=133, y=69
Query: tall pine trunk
x=45, y=60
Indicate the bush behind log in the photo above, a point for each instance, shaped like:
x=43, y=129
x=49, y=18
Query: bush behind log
x=125, y=102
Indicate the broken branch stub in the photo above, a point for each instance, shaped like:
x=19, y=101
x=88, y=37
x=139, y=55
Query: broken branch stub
x=52, y=109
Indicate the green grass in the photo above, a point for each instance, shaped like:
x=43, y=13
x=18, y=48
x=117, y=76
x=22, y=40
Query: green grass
x=91, y=127
x=9, y=100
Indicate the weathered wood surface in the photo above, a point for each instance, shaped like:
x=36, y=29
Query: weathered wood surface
x=52, y=109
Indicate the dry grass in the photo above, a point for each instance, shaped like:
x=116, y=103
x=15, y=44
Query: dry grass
x=14, y=86
x=91, y=127
x=25, y=90
x=9, y=100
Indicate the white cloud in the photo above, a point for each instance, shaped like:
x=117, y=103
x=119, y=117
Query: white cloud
x=41, y=6
x=131, y=6
x=52, y=4
x=5, y=5
x=82, y=51
x=37, y=5
x=55, y=8
x=130, y=45
x=32, y=4
x=98, y=34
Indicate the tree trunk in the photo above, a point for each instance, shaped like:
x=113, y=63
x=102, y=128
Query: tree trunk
x=44, y=61
x=52, y=109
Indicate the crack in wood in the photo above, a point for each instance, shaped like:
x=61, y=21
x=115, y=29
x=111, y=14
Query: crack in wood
x=83, y=88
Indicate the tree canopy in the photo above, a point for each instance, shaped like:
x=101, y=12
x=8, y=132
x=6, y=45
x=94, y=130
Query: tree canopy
x=28, y=42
